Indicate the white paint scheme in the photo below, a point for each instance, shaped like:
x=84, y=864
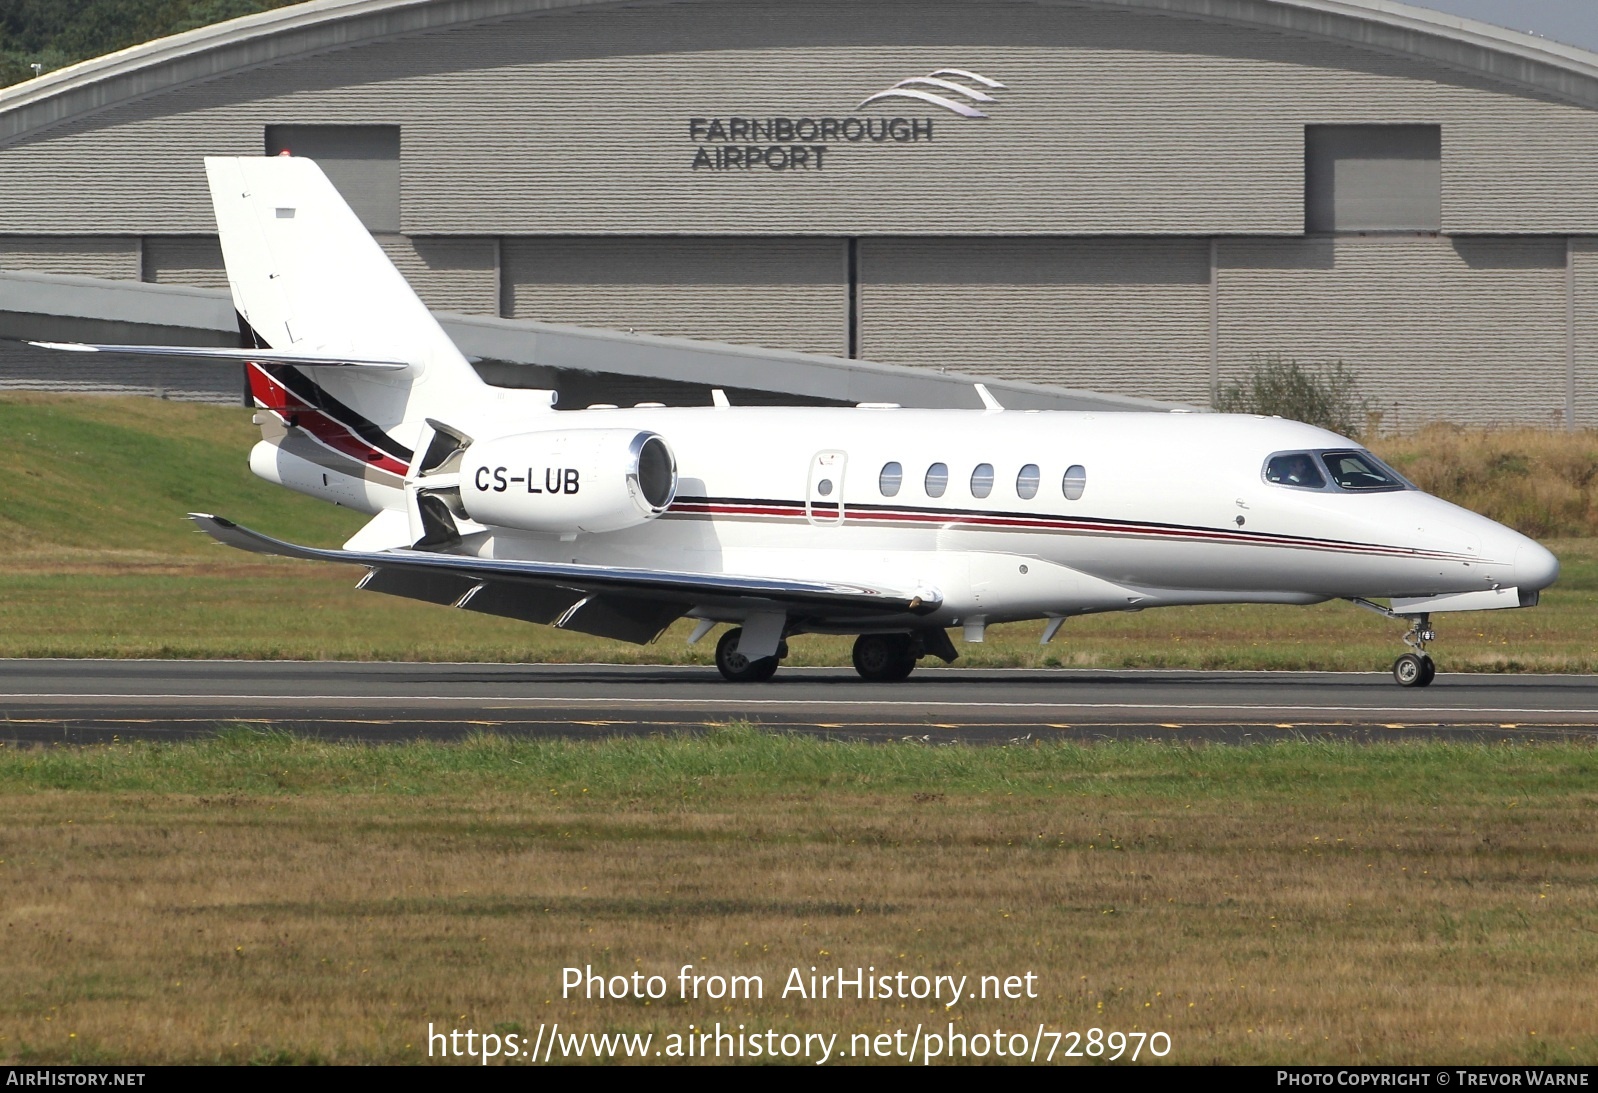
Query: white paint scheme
x=1194, y=471
x=1175, y=509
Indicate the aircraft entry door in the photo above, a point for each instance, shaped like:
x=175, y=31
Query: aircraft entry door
x=824, y=495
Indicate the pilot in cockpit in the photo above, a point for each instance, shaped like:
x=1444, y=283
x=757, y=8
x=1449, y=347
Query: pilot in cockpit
x=1295, y=469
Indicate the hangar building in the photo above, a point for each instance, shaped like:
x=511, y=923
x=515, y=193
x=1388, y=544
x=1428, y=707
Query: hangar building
x=1134, y=197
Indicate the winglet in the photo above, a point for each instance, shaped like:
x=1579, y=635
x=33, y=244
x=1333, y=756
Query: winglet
x=989, y=403
x=227, y=532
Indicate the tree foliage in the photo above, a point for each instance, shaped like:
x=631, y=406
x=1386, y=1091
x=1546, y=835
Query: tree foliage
x=56, y=33
x=1325, y=394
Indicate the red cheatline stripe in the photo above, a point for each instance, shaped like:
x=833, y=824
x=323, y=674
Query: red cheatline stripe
x=1043, y=523
x=328, y=431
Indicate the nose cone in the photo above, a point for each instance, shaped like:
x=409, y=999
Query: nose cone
x=1535, y=567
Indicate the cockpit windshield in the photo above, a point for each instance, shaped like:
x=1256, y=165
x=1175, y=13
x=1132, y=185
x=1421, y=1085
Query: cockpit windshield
x=1295, y=469
x=1353, y=470
x=1361, y=471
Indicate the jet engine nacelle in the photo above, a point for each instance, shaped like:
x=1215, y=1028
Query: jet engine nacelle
x=570, y=481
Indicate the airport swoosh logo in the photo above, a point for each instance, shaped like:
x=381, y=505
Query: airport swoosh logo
x=955, y=89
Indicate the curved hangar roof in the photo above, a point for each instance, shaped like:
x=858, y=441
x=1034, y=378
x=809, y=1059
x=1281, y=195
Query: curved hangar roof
x=1526, y=62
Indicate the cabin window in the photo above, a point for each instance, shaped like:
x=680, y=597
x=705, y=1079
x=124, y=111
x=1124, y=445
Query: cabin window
x=1294, y=469
x=937, y=479
x=890, y=479
x=982, y=480
x=1026, y=483
x=1361, y=471
x=1075, y=481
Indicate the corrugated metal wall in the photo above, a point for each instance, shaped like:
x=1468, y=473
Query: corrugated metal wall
x=1104, y=314
x=184, y=260
x=1584, y=262
x=547, y=173
x=1112, y=122
x=450, y=274
x=83, y=256
x=780, y=293
x=1468, y=330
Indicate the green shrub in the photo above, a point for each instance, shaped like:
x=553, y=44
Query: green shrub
x=1326, y=394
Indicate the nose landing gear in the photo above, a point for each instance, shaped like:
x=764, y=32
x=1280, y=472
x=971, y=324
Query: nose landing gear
x=1415, y=668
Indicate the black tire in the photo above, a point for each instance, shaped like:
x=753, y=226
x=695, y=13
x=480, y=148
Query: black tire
x=1414, y=670
x=737, y=668
x=884, y=658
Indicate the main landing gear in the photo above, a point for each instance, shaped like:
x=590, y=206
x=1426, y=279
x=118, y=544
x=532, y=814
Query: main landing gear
x=879, y=658
x=886, y=658
x=737, y=668
x=1414, y=668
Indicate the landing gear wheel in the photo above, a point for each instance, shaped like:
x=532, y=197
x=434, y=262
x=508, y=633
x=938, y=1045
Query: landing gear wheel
x=1414, y=670
x=885, y=658
x=737, y=668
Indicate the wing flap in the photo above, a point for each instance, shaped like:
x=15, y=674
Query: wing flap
x=658, y=585
x=412, y=584
x=525, y=602
x=625, y=618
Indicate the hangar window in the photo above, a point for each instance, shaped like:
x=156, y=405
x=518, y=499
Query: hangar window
x=1373, y=178
x=890, y=478
x=362, y=162
x=937, y=479
x=1026, y=483
x=982, y=480
x=1074, y=482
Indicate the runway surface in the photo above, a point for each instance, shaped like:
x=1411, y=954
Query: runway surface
x=86, y=701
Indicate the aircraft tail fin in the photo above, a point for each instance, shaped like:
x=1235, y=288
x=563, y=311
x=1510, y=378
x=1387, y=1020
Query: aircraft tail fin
x=309, y=281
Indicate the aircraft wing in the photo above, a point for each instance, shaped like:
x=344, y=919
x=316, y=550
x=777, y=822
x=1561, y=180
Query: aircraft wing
x=631, y=604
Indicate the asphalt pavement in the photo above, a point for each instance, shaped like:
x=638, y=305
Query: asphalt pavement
x=85, y=701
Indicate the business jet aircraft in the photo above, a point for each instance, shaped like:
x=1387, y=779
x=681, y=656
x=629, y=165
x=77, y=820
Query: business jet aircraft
x=890, y=524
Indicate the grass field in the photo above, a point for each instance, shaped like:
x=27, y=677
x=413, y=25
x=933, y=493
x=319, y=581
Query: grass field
x=99, y=562
x=256, y=898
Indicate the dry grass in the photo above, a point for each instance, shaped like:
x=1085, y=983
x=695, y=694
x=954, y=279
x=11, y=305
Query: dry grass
x=1541, y=482
x=143, y=607
x=99, y=562
x=281, y=901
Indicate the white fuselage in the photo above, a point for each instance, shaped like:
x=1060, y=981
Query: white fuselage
x=1172, y=509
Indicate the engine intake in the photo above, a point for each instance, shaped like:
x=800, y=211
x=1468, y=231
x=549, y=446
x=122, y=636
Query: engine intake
x=589, y=480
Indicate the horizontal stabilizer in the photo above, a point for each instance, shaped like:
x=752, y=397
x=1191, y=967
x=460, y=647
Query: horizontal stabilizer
x=663, y=586
x=235, y=356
